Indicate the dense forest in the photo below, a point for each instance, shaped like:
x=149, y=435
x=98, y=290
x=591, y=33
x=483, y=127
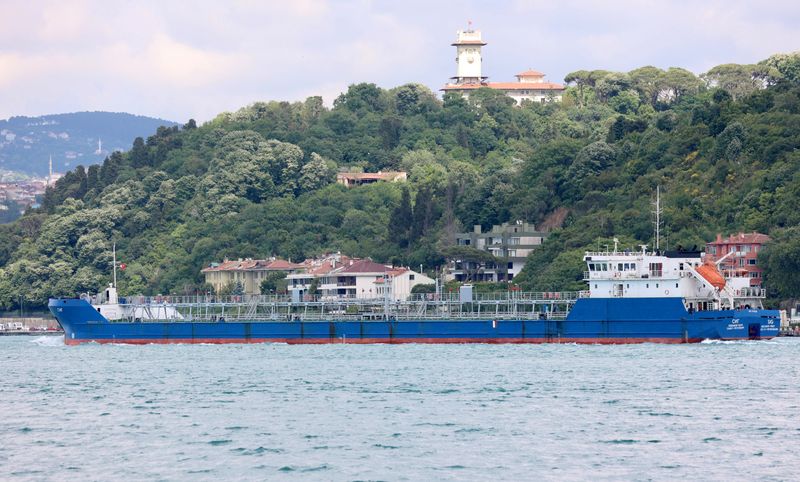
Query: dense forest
x=261, y=181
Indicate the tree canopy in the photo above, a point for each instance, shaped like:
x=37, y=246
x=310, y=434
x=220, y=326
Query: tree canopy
x=259, y=182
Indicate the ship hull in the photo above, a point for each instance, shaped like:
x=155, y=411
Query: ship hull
x=594, y=321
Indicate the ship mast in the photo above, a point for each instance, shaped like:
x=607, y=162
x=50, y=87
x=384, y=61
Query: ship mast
x=657, y=212
x=114, y=251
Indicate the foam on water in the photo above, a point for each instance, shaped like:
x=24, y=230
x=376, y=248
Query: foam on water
x=418, y=412
x=48, y=340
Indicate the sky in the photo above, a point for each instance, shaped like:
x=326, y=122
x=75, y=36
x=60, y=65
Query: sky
x=181, y=60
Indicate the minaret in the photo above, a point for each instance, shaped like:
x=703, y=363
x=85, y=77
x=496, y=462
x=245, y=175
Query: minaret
x=50, y=176
x=468, y=56
x=99, y=147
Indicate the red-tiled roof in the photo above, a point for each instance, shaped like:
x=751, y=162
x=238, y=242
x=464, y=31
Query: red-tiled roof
x=506, y=86
x=323, y=266
x=530, y=73
x=392, y=272
x=360, y=176
x=364, y=266
x=746, y=238
x=251, y=265
x=282, y=264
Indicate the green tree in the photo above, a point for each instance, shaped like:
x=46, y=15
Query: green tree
x=401, y=221
x=780, y=259
x=274, y=282
x=737, y=79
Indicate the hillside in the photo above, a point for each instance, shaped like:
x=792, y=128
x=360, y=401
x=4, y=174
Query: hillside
x=26, y=143
x=260, y=181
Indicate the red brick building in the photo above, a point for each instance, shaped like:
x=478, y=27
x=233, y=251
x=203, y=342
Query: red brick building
x=743, y=260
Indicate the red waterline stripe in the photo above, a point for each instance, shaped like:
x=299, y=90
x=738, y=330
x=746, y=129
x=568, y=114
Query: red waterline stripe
x=381, y=341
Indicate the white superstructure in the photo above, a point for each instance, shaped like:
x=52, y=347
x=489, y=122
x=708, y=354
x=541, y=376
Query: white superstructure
x=671, y=274
x=108, y=304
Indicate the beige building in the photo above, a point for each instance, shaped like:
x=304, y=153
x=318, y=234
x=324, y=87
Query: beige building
x=248, y=272
x=351, y=179
x=530, y=85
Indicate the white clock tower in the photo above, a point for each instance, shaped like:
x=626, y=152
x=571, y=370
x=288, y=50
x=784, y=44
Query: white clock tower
x=468, y=57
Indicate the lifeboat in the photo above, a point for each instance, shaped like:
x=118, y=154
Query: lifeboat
x=711, y=274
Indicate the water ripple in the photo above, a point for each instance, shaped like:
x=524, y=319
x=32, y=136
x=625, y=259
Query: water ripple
x=412, y=412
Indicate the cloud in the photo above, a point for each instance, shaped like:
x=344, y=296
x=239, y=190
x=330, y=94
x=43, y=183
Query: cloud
x=166, y=62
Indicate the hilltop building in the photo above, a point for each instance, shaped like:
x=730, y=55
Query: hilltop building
x=510, y=243
x=338, y=276
x=742, y=255
x=248, y=272
x=352, y=179
x=530, y=85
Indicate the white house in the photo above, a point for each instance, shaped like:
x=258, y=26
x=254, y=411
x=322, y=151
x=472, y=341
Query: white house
x=339, y=276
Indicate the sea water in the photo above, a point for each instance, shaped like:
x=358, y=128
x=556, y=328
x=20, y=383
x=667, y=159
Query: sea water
x=716, y=411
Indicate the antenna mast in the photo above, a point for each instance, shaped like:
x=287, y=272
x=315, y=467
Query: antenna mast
x=114, y=250
x=657, y=212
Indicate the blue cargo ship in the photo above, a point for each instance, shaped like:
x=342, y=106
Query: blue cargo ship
x=633, y=297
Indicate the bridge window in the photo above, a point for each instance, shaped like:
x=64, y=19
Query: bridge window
x=655, y=269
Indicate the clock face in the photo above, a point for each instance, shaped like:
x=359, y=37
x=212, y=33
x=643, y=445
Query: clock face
x=470, y=59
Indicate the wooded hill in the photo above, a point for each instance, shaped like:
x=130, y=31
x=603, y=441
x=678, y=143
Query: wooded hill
x=260, y=181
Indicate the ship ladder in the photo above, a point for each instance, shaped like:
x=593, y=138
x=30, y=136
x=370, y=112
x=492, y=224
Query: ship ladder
x=421, y=309
x=252, y=308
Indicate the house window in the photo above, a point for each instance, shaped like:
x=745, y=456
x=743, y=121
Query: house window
x=411, y=277
x=752, y=262
x=754, y=274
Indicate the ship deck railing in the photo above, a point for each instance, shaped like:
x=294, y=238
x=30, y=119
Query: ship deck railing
x=449, y=306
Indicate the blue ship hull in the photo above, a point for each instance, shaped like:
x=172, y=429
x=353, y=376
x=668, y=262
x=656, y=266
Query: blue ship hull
x=608, y=321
